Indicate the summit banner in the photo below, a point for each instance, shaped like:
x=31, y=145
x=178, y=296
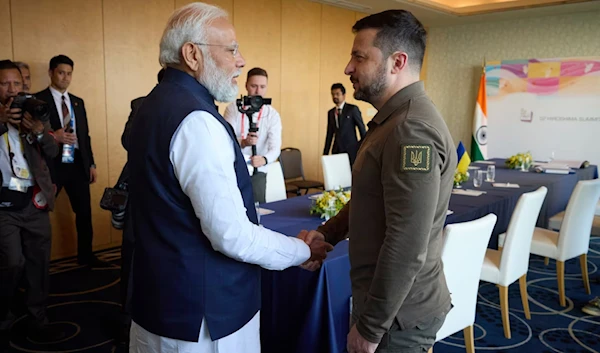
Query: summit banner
x=549, y=107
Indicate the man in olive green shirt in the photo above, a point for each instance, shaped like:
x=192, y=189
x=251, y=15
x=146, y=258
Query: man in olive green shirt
x=401, y=184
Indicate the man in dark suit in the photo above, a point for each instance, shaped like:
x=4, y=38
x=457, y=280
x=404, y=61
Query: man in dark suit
x=68, y=119
x=128, y=238
x=342, y=121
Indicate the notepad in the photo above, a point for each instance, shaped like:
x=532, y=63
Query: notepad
x=315, y=196
x=264, y=211
x=506, y=185
x=474, y=167
x=449, y=212
x=467, y=192
x=485, y=162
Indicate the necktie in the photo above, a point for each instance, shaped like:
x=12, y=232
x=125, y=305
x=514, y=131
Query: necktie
x=337, y=117
x=66, y=115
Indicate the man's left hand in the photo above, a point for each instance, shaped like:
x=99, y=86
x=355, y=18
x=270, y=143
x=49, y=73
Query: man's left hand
x=31, y=124
x=257, y=161
x=357, y=344
x=93, y=175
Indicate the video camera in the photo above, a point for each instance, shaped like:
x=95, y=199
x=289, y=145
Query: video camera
x=253, y=104
x=38, y=109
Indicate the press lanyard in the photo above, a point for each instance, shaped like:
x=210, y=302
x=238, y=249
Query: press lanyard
x=11, y=155
x=257, y=122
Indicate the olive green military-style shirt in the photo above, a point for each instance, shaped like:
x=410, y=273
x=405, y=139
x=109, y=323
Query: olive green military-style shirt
x=401, y=184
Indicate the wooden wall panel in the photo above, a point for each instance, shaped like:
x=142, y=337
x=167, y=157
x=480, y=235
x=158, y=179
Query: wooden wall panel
x=336, y=45
x=6, y=49
x=132, y=31
x=300, y=112
x=258, y=28
x=226, y=5
x=45, y=28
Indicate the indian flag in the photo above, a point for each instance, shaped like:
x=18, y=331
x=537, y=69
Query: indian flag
x=479, y=141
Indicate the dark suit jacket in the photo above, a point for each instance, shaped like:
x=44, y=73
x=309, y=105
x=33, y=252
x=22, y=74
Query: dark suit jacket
x=345, y=140
x=81, y=125
x=125, y=138
x=37, y=153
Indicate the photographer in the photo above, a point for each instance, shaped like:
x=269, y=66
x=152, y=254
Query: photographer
x=26, y=197
x=267, y=140
x=122, y=220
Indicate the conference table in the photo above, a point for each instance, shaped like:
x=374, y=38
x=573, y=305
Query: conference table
x=306, y=312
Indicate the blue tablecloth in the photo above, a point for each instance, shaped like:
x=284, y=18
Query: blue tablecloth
x=560, y=186
x=308, y=312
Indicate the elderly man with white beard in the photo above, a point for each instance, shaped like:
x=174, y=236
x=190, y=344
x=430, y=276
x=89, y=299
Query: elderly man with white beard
x=198, y=247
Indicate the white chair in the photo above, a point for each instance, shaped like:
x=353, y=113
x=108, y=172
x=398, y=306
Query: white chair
x=555, y=221
x=275, y=183
x=573, y=239
x=336, y=171
x=506, y=265
x=462, y=254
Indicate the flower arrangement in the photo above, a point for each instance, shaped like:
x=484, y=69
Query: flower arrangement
x=460, y=177
x=520, y=160
x=329, y=203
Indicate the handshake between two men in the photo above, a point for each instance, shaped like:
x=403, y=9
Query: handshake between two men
x=318, y=249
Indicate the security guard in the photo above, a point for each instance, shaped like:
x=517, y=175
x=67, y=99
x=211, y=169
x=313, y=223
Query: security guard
x=401, y=185
x=26, y=197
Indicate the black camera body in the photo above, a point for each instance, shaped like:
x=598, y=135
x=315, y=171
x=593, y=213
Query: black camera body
x=38, y=109
x=114, y=200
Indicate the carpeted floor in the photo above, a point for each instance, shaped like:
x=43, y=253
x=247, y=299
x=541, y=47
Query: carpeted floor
x=85, y=303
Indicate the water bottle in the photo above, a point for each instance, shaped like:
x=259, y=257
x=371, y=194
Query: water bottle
x=68, y=151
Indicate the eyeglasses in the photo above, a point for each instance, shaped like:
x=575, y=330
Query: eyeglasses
x=234, y=48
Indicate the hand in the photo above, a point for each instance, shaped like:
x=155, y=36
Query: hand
x=65, y=137
x=31, y=124
x=93, y=175
x=250, y=140
x=357, y=344
x=318, y=249
x=257, y=161
x=8, y=115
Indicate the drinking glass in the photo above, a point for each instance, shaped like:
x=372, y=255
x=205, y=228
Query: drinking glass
x=478, y=180
x=491, y=174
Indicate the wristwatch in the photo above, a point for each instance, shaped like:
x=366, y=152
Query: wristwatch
x=266, y=161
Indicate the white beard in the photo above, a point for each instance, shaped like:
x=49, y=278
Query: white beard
x=217, y=81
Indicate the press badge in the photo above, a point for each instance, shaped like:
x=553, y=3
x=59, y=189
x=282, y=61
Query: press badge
x=19, y=185
x=22, y=173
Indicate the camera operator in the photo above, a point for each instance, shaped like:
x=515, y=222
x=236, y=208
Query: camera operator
x=26, y=197
x=268, y=138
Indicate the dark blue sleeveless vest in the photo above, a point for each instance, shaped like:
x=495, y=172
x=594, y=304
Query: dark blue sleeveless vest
x=178, y=279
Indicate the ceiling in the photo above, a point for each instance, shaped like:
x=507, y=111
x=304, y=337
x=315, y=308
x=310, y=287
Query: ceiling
x=435, y=13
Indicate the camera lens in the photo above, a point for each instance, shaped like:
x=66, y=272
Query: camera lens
x=118, y=219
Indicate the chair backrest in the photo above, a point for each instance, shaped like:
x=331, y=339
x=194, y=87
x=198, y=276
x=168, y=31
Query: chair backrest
x=336, y=171
x=514, y=262
x=291, y=163
x=574, y=237
x=464, y=249
x=275, y=183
